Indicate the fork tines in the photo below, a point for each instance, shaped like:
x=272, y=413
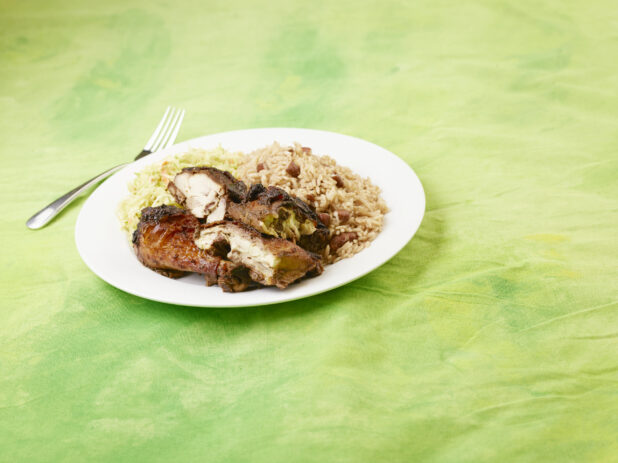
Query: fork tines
x=165, y=133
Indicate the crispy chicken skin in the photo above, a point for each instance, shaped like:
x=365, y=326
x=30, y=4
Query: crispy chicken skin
x=163, y=241
x=275, y=212
x=205, y=191
x=271, y=261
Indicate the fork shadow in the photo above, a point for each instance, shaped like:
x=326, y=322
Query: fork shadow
x=416, y=257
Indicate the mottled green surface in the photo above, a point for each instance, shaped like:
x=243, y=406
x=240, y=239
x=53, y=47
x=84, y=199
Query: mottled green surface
x=490, y=337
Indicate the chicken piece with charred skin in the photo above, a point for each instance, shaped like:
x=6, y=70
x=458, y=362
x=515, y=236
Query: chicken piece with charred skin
x=206, y=191
x=164, y=242
x=271, y=261
x=275, y=212
x=216, y=195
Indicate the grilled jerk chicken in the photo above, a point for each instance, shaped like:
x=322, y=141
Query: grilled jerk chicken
x=271, y=261
x=206, y=191
x=216, y=195
x=236, y=238
x=233, y=278
x=164, y=242
x=274, y=212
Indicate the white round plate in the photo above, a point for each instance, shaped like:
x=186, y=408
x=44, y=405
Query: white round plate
x=106, y=250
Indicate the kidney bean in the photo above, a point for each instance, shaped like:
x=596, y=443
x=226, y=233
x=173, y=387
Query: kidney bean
x=343, y=215
x=339, y=240
x=325, y=218
x=293, y=169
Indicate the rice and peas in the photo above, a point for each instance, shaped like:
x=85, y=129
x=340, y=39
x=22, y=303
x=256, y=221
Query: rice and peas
x=353, y=203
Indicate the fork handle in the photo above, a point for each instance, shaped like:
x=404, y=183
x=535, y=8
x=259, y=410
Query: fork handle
x=45, y=215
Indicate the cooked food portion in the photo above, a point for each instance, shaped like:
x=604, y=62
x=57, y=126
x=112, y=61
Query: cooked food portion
x=171, y=241
x=274, y=212
x=301, y=211
x=164, y=242
x=234, y=278
x=214, y=195
x=271, y=261
x=149, y=186
x=349, y=205
x=206, y=191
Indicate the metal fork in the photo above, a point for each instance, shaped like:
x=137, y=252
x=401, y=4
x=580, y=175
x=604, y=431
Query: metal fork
x=163, y=136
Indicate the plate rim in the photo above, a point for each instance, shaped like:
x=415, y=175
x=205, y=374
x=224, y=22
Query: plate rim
x=162, y=153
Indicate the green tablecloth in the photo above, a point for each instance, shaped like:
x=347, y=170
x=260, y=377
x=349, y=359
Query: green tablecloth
x=490, y=337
